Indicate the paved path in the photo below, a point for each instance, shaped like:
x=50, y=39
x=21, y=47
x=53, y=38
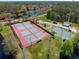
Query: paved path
x=25, y=53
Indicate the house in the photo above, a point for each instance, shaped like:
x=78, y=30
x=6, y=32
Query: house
x=4, y=16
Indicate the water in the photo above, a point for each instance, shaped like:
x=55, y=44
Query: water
x=2, y=53
x=62, y=33
x=34, y=13
x=77, y=57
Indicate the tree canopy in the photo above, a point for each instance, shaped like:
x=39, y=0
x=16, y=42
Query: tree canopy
x=64, y=12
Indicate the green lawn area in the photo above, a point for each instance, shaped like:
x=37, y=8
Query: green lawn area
x=37, y=51
x=40, y=50
x=47, y=27
x=5, y=29
x=43, y=18
x=10, y=41
x=75, y=25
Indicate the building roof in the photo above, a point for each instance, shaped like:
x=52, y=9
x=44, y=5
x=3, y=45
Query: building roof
x=5, y=15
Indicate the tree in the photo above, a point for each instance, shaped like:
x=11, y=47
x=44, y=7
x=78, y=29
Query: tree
x=67, y=48
x=28, y=9
x=76, y=39
x=64, y=12
x=0, y=27
x=34, y=8
x=48, y=14
x=76, y=43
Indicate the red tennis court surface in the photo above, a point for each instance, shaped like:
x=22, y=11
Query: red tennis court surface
x=28, y=33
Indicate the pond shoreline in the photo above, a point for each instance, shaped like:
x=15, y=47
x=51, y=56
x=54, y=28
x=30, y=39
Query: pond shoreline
x=2, y=52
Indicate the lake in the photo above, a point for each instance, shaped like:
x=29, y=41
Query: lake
x=2, y=52
x=34, y=13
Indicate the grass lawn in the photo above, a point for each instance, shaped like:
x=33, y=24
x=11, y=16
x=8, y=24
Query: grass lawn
x=37, y=51
x=10, y=41
x=40, y=50
x=48, y=28
x=61, y=22
x=75, y=25
x=43, y=18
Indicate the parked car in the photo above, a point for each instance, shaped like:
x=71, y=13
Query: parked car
x=54, y=22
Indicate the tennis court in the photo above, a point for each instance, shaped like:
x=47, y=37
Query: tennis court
x=28, y=33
